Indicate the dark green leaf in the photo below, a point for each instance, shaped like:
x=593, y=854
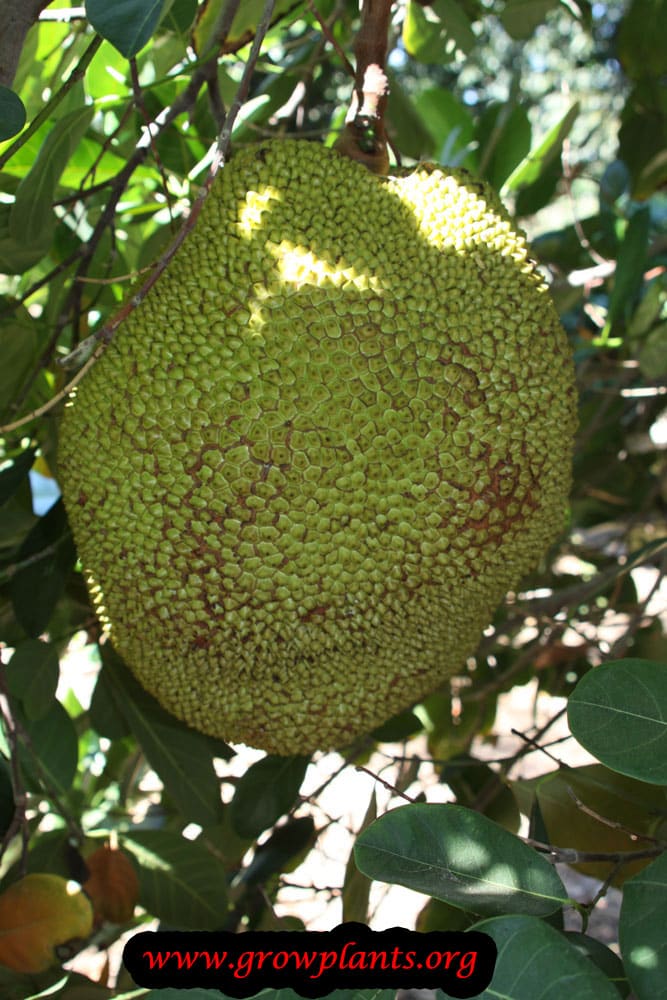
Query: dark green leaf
x=605, y=959
x=653, y=353
x=15, y=256
x=32, y=676
x=520, y=18
x=127, y=24
x=534, y=960
x=22, y=986
x=7, y=804
x=179, y=880
x=49, y=852
x=176, y=994
x=13, y=475
x=274, y=856
x=78, y=988
x=457, y=855
x=399, y=728
x=182, y=757
x=439, y=916
x=50, y=759
x=46, y=558
x=642, y=931
x=18, y=350
x=356, y=887
x=630, y=266
x=642, y=39
x=614, y=182
x=179, y=15
x=412, y=136
x=105, y=715
x=503, y=134
x=265, y=792
x=477, y=786
x=12, y=113
x=619, y=713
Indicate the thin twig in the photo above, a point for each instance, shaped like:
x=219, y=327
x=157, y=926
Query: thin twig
x=386, y=784
x=570, y=856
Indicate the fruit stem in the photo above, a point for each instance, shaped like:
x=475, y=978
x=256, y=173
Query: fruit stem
x=364, y=138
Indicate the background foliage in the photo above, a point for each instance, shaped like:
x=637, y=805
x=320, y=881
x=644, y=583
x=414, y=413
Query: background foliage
x=109, y=117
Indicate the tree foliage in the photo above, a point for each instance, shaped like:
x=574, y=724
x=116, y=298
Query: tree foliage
x=109, y=122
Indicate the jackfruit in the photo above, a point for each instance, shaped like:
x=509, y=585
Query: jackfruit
x=315, y=458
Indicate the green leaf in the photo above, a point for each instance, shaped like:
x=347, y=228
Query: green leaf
x=49, y=852
x=461, y=857
x=12, y=113
x=32, y=676
x=15, y=256
x=15, y=474
x=450, y=124
x=127, y=24
x=32, y=213
x=265, y=792
x=503, y=135
x=653, y=353
x=439, y=916
x=650, y=308
x=75, y=987
x=534, y=960
x=181, y=757
x=177, y=994
x=642, y=39
x=434, y=34
x=47, y=556
x=618, y=712
x=54, y=745
x=520, y=18
x=604, y=794
x=19, y=985
x=179, y=15
x=642, y=931
x=411, y=135
x=180, y=881
x=535, y=164
x=477, y=786
x=245, y=21
x=18, y=350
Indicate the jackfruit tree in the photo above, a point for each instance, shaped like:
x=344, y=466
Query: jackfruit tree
x=333, y=364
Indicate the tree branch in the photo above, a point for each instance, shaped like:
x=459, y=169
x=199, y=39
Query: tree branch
x=16, y=17
x=364, y=138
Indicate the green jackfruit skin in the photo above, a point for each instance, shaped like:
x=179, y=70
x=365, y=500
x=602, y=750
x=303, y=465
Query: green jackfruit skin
x=312, y=462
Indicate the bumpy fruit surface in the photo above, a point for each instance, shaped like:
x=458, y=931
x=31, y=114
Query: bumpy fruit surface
x=38, y=914
x=312, y=462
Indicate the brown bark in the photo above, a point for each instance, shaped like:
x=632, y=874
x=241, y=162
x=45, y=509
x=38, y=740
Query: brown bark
x=16, y=19
x=363, y=137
